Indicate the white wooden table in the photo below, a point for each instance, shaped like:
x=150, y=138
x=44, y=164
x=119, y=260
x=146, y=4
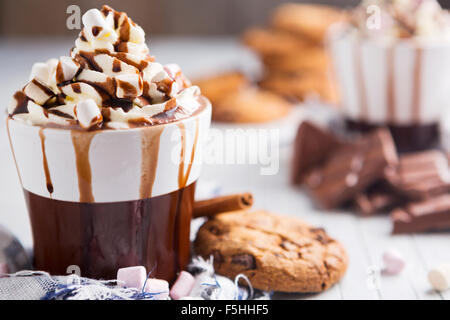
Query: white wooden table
x=364, y=238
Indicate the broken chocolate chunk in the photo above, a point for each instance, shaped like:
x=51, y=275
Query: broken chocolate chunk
x=377, y=198
x=351, y=169
x=420, y=175
x=426, y=215
x=245, y=260
x=312, y=146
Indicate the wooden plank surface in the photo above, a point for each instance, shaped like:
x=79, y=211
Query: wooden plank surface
x=364, y=238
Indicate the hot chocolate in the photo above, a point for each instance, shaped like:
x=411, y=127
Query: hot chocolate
x=394, y=71
x=102, y=237
x=108, y=145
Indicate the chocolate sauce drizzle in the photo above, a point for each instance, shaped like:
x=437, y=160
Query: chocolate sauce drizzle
x=390, y=83
x=182, y=176
x=48, y=178
x=417, y=85
x=82, y=142
x=150, y=150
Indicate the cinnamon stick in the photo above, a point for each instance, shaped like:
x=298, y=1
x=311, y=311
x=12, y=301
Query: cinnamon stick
x=211, y=207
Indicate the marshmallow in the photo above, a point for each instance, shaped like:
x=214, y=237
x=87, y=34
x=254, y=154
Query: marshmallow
x=153, y=92
x=36, y=114
x=67, y=69
x=393, y=262
x=67, y=109
x=3, y=269
x=138, y=49
x=128, y=86
x=182, y=286
x=137, y=34
x=99, y=79
x=153, y=109
x=158, y=288
x=38, y=92
x=112, y=66
x=173, y=70
x=40, y=71
x=132, y=277
x=88, y=113
x=439, y=277
x=80, y=91
x=96, y=26
x=118, y=115
x=154, y=72
x=187, y=98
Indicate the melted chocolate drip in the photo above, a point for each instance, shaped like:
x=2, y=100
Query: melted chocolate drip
x=21, y=103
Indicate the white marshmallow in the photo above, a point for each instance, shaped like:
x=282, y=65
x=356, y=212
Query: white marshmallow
x=36, y=91
x=36, y=114
x=153, y=109
x=100, y=79
x=439, y=277
x=92, y=76
x=133, y=80
x=87, y=92
x=138, y=49
x=154, y=72
x=132, y=277
x=118, y=115
x=154, y=93
x=40, y=71
x=173, y=70
x=158, y=288
x=393, y=262
x=69, y=68
x=68, y=109
x=106, y=63
x=137, y=35
x=94, y=18
x=88, y=113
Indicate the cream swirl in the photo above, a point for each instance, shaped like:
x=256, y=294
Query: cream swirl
x=109, y=81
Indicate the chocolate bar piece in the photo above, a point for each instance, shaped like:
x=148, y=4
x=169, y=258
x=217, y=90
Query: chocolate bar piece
x=427, y=215
x=377, y=198
x=420, y=175
x=368, y=204
x=311, y=147
x=352, y=168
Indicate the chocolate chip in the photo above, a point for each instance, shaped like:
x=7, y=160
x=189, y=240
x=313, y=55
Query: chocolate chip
x=214, y=230
x=321, y=236
x=217, y=256
x=245, y=260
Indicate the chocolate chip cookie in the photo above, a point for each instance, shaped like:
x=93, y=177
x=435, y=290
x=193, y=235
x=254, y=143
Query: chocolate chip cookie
x=275, y=252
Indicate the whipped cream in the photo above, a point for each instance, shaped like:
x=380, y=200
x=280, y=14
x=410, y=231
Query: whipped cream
x=109, y=81
x=402, y=19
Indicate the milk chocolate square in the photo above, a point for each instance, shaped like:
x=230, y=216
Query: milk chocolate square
x=377, y=198
x=312, y=147
x=420, y=175
x=426, y=215
x=352, y=168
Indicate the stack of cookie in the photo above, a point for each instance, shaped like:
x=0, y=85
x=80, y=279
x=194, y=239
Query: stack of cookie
x=236, y=100
x=293, y=53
